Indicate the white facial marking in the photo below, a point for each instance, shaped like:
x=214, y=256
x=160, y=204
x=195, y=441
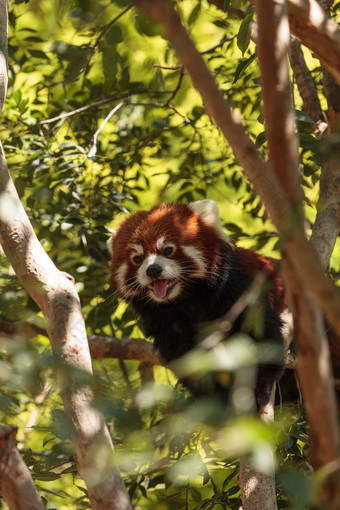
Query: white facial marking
x=120, y=277
x=137, y=248
x=160, y=243
x=196, y=255
x=110, y=244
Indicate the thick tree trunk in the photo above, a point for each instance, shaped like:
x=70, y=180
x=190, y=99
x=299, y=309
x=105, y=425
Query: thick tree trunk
x=55, y=294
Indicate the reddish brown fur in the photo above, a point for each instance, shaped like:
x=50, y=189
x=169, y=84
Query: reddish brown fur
x=252, y=263
x=181, y=225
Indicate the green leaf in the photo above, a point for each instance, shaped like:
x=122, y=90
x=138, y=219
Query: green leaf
x=242, y=66
x=114, y=35
x=303, y=117
x=147, y=27
x=226, y=5
x=194, y=14
x=17, y=96
x=306, y=141
x=260, y=139
x=243, y=36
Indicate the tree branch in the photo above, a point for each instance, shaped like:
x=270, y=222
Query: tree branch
x=124, y=348
x=16, y=483
x=327, y=222
x=102, y=102
x=305, y=83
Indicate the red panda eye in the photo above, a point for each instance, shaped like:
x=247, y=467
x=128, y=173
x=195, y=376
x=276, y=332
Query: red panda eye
x=137, y=259
x=168, y=251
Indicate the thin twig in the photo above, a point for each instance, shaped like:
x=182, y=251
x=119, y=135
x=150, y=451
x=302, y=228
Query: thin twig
x=93, y=148
x=101, y=35
x=103, y=102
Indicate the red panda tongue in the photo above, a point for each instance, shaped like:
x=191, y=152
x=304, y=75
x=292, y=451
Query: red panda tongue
x=160, y=288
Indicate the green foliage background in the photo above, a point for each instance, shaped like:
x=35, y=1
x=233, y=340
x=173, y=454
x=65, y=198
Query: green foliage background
x=159, y=146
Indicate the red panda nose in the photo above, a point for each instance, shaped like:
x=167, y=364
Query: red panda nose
x=154, y=270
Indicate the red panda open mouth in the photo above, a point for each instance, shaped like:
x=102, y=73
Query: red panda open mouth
x=161, y=287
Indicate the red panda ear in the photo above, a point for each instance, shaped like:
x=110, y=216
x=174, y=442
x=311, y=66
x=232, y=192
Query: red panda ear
x=110, y=242
x=207, y=210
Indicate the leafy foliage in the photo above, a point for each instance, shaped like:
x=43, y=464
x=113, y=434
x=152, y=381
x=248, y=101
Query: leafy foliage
x=70, y=64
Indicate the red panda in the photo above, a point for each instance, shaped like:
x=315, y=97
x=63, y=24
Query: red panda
x=178, y=269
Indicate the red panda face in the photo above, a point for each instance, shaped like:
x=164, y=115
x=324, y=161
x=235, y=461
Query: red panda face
x=157, y=252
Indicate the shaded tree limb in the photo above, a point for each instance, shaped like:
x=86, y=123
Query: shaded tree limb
x=55, y=294
x=272, y=46
x=327, y=222
x=124, y=348
x=258, y=172
x=16, y=484
x=305, y=83
x=314, y=374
